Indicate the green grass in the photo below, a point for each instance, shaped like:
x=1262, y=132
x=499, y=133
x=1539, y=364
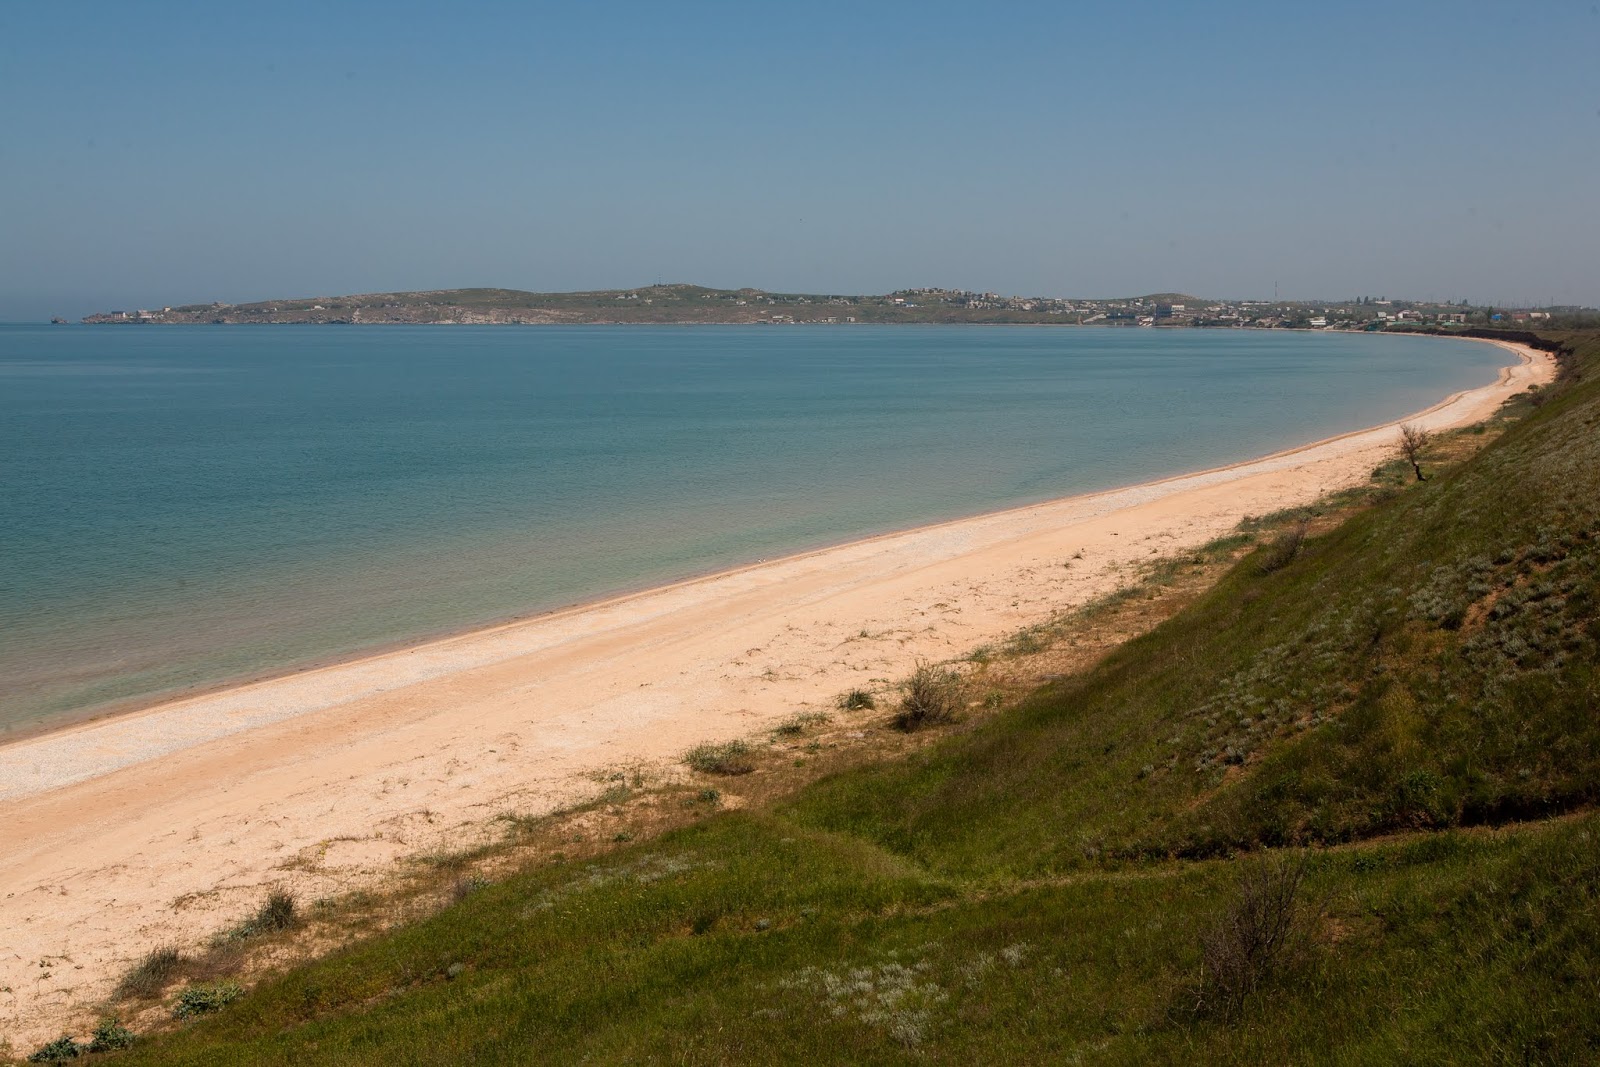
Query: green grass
x=1410, y=699
x=662, y=956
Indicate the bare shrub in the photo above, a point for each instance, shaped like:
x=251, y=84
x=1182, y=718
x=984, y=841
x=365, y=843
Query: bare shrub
x=730, y=757
x=933, y=695
x=1284, y=548
x=147, y=978
x=1413, y=441
x=1261, y=934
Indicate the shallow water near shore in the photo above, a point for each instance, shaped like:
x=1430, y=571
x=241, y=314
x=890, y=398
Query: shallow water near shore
x=184, y=505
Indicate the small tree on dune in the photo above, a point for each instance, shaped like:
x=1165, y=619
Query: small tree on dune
x=1413, y=439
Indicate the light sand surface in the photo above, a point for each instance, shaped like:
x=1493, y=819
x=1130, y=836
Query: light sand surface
x=162, y=826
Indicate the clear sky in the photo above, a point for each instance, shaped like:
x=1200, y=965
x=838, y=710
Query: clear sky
x=175, y=152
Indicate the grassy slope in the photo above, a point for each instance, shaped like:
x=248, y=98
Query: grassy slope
x=1033, y=889
x=1431, y=662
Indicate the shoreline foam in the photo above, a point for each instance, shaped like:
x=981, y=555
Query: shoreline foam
x=158, y=826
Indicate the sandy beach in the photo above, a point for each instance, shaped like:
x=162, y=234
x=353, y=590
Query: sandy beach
x=161, y=826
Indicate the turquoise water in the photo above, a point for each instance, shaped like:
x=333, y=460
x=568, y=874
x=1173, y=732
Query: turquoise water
x=183, y=505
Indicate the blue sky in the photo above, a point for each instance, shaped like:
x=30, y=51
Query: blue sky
x=162, y=153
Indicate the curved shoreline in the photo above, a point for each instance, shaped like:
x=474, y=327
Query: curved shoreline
x=158, y=826
x=137, y=705
x=137, y=708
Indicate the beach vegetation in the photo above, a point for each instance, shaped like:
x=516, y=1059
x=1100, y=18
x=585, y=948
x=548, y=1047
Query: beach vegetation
x=1028, y=641
x=933, y=695
x=199, y=1000
x=60, y=1050
x=857, y=700
x=801, y=723
x=110, y=1036
x=727, y=758
x=1283, y=549
x=149, y=977
x=280, y=911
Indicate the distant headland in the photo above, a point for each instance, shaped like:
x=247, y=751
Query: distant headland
x=695, y=304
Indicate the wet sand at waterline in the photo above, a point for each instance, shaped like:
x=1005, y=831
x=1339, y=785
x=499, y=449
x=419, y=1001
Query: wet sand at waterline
x=162, y=826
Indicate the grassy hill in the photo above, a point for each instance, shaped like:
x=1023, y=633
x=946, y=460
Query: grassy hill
x=1338, y=810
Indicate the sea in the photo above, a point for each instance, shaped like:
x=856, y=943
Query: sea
x=181, y=506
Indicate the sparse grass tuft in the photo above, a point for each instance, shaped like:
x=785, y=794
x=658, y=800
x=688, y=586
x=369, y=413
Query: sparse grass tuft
x=278, y=912
x=857, y=700
x=1027, y=642
x=795, y=725
x=147, y=979
x=1223, y=547
x=729, y=757
x=933, y=695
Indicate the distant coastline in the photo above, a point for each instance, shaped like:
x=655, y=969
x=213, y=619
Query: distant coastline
x=698, y=305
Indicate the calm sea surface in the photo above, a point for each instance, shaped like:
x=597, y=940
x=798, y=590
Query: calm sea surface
x=183, y=505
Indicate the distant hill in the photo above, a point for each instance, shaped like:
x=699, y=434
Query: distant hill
x=673, y=303
x=699, y=304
